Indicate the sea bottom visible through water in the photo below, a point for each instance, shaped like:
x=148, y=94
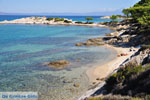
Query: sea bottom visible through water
x=24, y=48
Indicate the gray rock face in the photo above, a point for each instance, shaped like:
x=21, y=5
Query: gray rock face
x=143, y=57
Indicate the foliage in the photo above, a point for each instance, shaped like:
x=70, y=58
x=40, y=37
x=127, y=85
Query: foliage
x=113, y=17
x=59, y=19
x=145, y=47
x=90, y=22
x=67, y=21
x=78, y=22
x=88, y=18
x=122, y=76
x=140, y=12
x=49, y=18
x=95, y=99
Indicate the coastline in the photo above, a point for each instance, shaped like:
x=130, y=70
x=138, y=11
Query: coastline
x=96, y=73
x=101, y=72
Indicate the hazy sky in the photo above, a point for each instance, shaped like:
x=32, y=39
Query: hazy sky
x=60, y=6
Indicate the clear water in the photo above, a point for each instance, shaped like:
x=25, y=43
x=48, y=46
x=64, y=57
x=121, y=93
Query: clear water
x=23, y=49
x=96, y=19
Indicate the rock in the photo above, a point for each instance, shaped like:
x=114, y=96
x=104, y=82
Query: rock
x=58, y=64
x=98, y=79
x=106, y=17
x=78, y=60
x=76, y=85
x=79, y=44
x=94, y=82
x=123, y=54
x=95, y=40
x=67, y=81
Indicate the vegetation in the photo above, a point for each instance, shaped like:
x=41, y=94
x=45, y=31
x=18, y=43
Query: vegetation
x=67, y=21
x=130, y=81
x=49, y=18
x=78, y=22
x=140, y=12
x=88, y=19
x=118, y=97
x=113, y=17
x=59, y=19
x=145, y=47
x=90, y=22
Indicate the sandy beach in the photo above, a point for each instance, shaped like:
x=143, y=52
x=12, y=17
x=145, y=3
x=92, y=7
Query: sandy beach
x=102, y=71
x=98, y=73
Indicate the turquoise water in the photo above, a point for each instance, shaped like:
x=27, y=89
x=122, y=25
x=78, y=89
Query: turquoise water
x=24, y=48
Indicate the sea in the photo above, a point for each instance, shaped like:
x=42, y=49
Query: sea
x=24, y=48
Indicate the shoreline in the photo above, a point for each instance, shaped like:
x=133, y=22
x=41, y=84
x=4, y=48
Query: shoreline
x=108, y=67
x=101, y=72
x=96, y=73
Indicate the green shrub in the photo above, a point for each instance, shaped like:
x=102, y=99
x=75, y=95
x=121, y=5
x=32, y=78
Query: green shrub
x=88, y=18
x=122, y=76
x=145, y=46
x=59, y=19
x=90, y=23
x=67, y=21
x=49, y=18
x=94, y=98
x=113, y=17
x=78, y=22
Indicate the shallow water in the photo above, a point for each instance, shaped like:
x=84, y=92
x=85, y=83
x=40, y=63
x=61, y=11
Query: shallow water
x=23, y=49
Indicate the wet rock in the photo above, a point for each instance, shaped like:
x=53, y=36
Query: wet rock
x=58, y=64
x=95, y=40
x=78, y=60
x=67, y=81
x=79, y=44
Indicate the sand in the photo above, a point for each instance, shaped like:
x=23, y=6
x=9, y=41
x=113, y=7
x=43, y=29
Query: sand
x=102, y=71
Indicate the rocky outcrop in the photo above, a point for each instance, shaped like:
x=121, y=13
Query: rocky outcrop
x=58, y=64
x=141, y=57
x=106, y=17
x=92, y=42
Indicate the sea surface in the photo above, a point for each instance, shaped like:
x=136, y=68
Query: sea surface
x=96, y=19
x=24, y=49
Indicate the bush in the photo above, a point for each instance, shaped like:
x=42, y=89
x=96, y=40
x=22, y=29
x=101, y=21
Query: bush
x=90, y=22
x=145, y=47
x=67, y=21
x=49, y=18
x=122, y=76
x=113, y=17
x=59, y=19
x=78, y=22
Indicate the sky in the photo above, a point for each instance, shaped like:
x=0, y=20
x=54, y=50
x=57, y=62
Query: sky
x=64, y=6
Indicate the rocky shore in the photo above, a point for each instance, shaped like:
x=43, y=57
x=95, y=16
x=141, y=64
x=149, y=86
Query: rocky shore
x=127, y=69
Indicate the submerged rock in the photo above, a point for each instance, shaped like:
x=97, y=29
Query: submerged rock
x=76, y=85
x=58, y=64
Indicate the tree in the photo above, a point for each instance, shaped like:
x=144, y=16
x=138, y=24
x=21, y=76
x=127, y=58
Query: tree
x=140, y=12
x=126, y=13
x=113, y=17
x=88, y=18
